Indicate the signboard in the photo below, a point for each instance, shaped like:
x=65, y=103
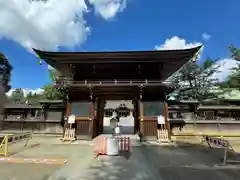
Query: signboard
x=71, y=119
x=161, y=119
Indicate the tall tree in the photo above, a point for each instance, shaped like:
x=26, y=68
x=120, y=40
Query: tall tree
x=5, y=72
x=17, y=96
x=233, y=79
x=196, y=81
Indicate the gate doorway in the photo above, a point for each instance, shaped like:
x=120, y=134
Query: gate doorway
x=127, y=113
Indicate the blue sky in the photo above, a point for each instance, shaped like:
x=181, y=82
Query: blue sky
x=112, y=25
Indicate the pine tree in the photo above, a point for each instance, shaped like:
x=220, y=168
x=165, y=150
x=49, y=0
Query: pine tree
x=5, y=72
x=196, y=81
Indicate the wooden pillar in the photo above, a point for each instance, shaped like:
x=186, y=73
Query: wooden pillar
x=91, y=110
x=92, y=123
x=140, y=105
x=101, y=114
x=166, y=119
x=141, y=112
x=67, y=113
x=68, y=109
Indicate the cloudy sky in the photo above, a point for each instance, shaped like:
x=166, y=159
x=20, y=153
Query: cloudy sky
x=110, y=25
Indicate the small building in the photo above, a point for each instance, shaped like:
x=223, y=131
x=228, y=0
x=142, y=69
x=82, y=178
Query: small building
x=218, y=112
x=139, y=76
x=125, y=111
x=46, y=117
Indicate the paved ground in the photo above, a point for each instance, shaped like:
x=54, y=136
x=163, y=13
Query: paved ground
x=48, y=148
x=147, y=162
x=184, y=163
x=152, y=162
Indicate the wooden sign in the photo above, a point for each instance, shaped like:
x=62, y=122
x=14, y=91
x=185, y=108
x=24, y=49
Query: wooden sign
x=71, y=119
x=161, y=119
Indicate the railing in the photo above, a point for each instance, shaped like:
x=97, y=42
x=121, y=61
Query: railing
x=14, y=118
x=12, y=138
x=22, y=118
x=208, y=115
x=111, y=82
x=201, y=116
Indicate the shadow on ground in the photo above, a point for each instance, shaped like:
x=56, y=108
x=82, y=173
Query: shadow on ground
x=186, y=160
x=182, y=161
x=153, y=162
x=113, y=168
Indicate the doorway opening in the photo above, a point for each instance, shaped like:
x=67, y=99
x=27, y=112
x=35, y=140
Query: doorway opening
x=126, y=111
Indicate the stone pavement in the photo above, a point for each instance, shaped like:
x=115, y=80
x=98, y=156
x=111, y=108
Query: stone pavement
x=151, y=162
x=148, y=161
x=75, y=154
x=104, y=168
x=186, y=162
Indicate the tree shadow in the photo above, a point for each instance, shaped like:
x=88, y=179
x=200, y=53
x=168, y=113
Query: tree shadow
x=151, y=162
x=183, y=153
x=124, y=167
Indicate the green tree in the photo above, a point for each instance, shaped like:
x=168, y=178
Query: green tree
x=233, y=79
x=52, y=92
x=5, y=72
x=55, y=92
x=196, y=81
x=17, y=96
x=34, y=98
x=235, y=52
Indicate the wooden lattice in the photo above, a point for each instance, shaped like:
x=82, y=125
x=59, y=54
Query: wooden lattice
x=162, y=135
x=69, y=134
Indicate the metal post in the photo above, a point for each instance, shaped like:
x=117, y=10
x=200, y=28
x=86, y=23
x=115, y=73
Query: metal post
x=6, y=145
x=225, y=154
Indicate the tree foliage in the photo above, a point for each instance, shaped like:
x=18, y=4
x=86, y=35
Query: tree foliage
x=235, y=52
x=233, y=80
x=34, y=98
x=196, y=81
x=52, y=92
x=17, y=96
x=5, y=72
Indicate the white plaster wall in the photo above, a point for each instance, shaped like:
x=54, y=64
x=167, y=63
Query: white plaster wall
x=126, y=124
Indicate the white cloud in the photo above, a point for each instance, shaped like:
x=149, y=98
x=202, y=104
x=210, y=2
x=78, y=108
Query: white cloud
x=176, y=42
x=108, y=8
x=48, y=25
x=225, y=68
x=26, y=91
x=206, y=36
x=225, y=65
